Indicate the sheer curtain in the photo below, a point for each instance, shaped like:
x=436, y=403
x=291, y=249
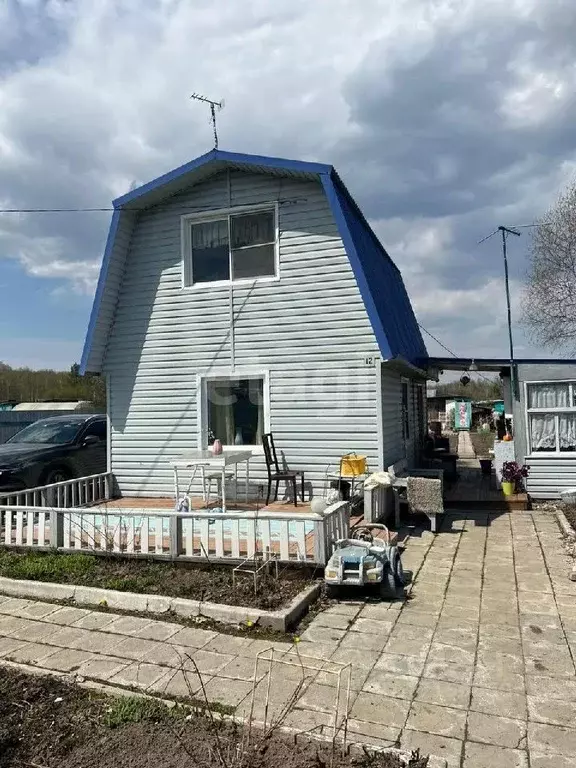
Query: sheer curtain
x=548, y=395
x=210, y=234
x=543, y=431
x=567, y=431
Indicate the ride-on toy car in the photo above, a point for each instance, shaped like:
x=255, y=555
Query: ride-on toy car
x=363, y=560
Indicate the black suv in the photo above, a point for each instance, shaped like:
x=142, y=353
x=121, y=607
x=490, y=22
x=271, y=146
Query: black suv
x=52, y=450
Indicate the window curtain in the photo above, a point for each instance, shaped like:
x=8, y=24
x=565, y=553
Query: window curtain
x=220, y=408
x=543, y=431
x=567, y=431
x=252, y=229
x=548, y=395
x=209, y=234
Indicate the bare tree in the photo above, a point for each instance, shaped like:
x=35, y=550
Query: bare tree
x=549, y=310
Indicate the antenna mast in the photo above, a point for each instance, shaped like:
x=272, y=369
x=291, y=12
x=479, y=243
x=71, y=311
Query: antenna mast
x=213, y=106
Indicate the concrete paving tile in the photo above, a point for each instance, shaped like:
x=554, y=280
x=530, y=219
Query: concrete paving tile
x=497, y=678
x=34, y=631
x=457, y=622
x=319, y=634
x=500, y=703
x=399, y=664
x=9, y=644
x=418, y=618
x=455, y=636
x=9, y=624
x=442, y=721
x=195, y=638
x=542, y=709
x=489, y=756
x=552, y=739
x=496, y=617
x=158, y=630
x=372, y=626
x=181, y=684
x=551, y=687
x=68, y=637
x=358, y=657
x=364, y=641
x=431, y=744
x=27, y=609
x=559, y=664
x=538, y=760
x=376, y=708
x=500, y=731
x=540, y=621
x=361, y=732
x=135, y=648
x=345, y=609
x=390, y=684
x=242, y=668
x=357, y=674
x=334, y=620
x=127, y=625
x=440, y=652
x=322, y=698
x=139, y=675
x=227, y=644
x=66, y=659
x=309, y=721
x=102, y=667
x=505, y=662
x=460, y=612
x=227, y=691
x=449, y=671
x=30, y=653
x=95, y=620
x=418, y=648
x=411, y=632
x=98, y=642
x=493, y=643
x=379, y=611
x=66, y=616
x=443, y=693
x=208, y=663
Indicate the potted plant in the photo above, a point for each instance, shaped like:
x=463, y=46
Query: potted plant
x=485, y=465
x=513, y=475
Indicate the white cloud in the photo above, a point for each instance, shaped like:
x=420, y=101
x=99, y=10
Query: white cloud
x=446, y=119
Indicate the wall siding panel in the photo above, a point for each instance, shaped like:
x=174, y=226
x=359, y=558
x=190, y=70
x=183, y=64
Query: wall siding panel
x=309, y=330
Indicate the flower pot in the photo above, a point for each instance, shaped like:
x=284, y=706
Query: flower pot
x=486, y=466
x=508, y=488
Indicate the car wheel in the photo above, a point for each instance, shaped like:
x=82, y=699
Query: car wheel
x=388, y=588
x=56, y=475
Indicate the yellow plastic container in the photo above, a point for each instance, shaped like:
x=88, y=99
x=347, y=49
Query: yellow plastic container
x=352, y=465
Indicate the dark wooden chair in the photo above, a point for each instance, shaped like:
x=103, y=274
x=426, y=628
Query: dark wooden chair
x=276, y=473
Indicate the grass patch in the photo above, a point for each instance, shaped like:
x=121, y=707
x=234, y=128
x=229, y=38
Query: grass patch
x=136, y=709
x=192, y=581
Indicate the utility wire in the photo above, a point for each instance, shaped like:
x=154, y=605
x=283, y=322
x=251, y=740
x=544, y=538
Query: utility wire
x=449, y=350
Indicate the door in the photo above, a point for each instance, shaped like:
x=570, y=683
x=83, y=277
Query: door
x=90, y=456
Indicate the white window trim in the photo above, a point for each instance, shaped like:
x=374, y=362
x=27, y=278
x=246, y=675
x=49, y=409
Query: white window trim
x=200, y=218
x=202, y=402
x=553, y=411
x=406, y=430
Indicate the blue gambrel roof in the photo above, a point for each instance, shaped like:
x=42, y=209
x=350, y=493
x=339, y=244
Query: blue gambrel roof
x=379, y=280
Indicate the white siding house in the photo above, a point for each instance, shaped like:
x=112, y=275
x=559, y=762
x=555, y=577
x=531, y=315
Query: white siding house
x=256, y=278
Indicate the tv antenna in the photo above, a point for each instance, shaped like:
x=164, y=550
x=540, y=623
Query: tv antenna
x=214, y=105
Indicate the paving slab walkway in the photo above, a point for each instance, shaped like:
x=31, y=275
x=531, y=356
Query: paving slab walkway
x=477, y=666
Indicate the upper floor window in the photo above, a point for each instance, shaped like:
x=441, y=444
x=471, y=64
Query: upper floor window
x=230, y=246
x=552, y=416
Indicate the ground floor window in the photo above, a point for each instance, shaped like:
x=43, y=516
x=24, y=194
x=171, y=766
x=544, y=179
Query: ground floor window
x=551, y=410
x=235, y=409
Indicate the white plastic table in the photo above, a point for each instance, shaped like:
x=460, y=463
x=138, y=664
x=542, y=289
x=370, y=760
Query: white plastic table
x=206, y=460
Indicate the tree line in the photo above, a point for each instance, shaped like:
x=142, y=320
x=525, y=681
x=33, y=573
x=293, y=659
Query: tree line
x=24, y=385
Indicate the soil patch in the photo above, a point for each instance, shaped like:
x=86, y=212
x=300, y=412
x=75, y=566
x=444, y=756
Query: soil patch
x=195, y=582
x=47, y=722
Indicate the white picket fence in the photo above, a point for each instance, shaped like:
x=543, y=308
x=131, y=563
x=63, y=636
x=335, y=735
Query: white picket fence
x=166, y=534
x=77, y=492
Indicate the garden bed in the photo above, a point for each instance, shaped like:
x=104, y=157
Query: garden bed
x=47, y=722
x=198, y=582
x=570, y=514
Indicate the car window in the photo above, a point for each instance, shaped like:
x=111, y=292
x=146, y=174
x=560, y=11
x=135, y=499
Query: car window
x=51, y=432
x=97, y=428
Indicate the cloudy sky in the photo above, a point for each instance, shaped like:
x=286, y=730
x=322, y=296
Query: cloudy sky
x=445, y=118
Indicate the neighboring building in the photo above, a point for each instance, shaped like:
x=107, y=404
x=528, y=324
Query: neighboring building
x=241, y=294
x=74, y=406
x=544, y=417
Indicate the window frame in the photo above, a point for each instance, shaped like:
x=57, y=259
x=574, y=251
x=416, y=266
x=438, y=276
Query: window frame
x=405, y=412
x=202, y=403
x=553, y=412
x=205, y=217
